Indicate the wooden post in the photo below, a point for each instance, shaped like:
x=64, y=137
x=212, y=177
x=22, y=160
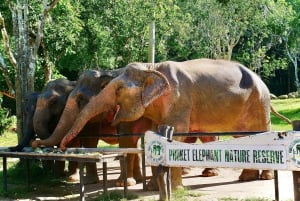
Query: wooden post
x=296, y=174
x=143, y=163
x=104, y=170
x=152, y=43
x=125, y=175
x=27, y=167
x=163, y=173
x=81, y=182
x=4, y=161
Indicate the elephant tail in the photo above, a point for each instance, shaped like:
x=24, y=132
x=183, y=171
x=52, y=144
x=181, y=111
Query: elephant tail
x=280, y=115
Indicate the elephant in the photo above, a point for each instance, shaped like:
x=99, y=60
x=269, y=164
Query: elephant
x=90, y=84
x=49, y=107
x=28, y=130
x=196, y=95
x=56, y=90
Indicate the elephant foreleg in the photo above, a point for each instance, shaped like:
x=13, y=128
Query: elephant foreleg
x=130, y=166
x=59, y=168
x=91, y=173
x=137, y=173
x=133, y=164
x=91, y=168
x=209, y=172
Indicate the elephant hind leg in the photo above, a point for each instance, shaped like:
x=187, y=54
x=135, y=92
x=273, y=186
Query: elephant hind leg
x=248, y=175
x=267, y=175
x=210, y=172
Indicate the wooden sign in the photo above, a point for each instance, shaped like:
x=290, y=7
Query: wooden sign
x=269, y=150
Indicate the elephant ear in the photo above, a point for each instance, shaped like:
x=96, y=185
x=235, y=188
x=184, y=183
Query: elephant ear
x=154, y=86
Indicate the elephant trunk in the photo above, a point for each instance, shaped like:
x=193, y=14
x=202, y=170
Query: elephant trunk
x=67, y=118
x=104, y=101
x=28, y=135
x=40, y=123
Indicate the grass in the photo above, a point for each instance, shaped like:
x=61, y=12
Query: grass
x=287, y=107
x=115, y=196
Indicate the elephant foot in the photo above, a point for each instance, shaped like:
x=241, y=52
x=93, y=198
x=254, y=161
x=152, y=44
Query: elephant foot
x=179, y=187
x=152, y=185
x=185, y=170
x=176, y=179
x=248, y=175
x=267, y=175
x=90, y=180
x=130, y=182
x=210, y=172
x=138, y=179
x=73, y=177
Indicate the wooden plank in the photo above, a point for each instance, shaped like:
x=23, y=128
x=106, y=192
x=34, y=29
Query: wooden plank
x=105, y=150
x=53, y=156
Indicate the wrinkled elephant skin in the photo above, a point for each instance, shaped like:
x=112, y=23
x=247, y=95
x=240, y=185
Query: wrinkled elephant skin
x=196, y=95
x=49, y=107
x=89, y=84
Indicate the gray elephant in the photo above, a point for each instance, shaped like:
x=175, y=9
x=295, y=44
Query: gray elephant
x=49, y=107
x=197, y=95
x=89, y=84
x=28, y=130
x=55, y=94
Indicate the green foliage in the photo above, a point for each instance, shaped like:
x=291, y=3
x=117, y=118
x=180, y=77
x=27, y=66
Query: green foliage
x=85, y=34
x=5, y=118
x=115, y=196
x=39, y=177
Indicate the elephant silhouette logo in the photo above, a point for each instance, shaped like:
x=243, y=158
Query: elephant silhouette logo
x=294, y=151
x=155, y=152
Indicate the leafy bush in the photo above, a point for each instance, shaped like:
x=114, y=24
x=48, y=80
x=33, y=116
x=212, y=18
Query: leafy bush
x=5, y=120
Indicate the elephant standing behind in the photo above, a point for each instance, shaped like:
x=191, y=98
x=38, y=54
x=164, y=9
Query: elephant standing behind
x=89, y=84
x=50, y=102
x=28, y=130
x=197, y=95
x=49, y=107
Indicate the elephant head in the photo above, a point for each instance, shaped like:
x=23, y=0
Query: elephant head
x=88, y=85
x=128, y=95
x=50, y=104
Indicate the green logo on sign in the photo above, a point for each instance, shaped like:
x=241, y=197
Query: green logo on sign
x=294, y=150
x=155, y=152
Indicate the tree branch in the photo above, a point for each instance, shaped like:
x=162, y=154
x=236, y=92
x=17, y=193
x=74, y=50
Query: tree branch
x=3, y=69
x=41, y=24
x=6, y=43
x=7, y=94
x=51, y=6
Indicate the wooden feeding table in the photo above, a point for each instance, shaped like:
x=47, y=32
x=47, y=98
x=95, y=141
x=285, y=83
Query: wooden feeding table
x=80, y=155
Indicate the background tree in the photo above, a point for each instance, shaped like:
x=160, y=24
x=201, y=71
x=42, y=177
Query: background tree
x=292, y=40
x=27, y=33
x=38, y=45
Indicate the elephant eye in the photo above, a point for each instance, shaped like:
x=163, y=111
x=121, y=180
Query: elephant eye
x=118, y=91
x=81, y=101
x=53, y=101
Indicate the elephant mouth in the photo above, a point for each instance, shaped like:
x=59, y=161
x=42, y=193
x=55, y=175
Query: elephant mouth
x=112, y=115
x=117, y=109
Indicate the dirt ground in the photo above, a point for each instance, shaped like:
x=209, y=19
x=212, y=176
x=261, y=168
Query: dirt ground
x=200, y=188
